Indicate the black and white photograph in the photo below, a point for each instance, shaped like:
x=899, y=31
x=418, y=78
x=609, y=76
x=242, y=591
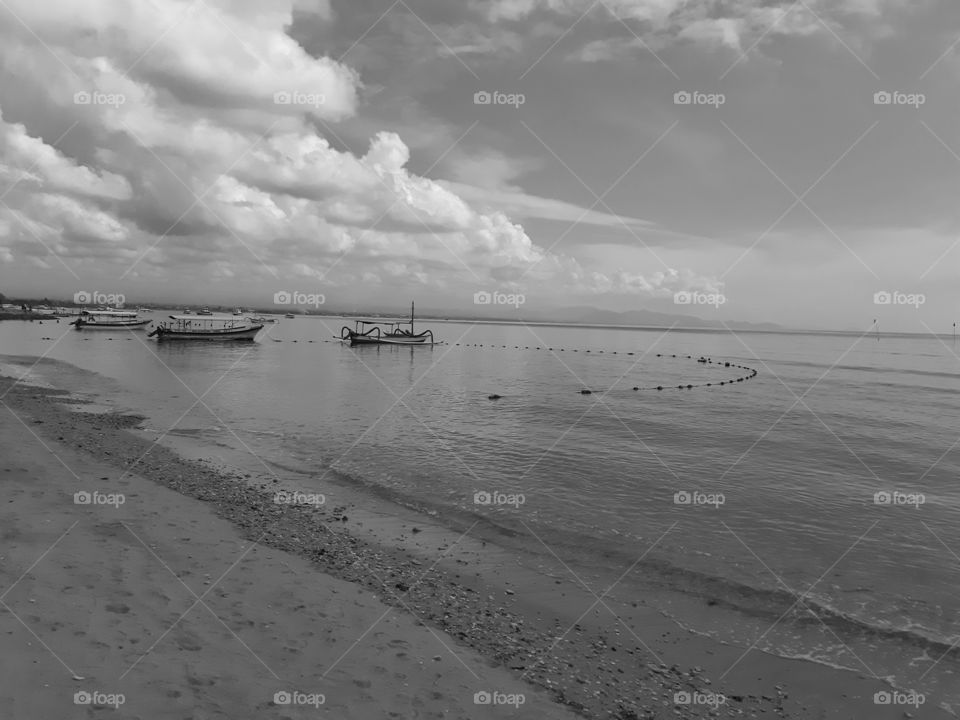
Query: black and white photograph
x=479, y=359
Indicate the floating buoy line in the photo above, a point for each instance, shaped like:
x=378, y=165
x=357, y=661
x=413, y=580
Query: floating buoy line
x=749, y=373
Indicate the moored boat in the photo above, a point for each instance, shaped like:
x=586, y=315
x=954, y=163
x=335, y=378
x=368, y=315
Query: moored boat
x=189, y=327
x=109, y=320
x=386, y=332
x=290, y=316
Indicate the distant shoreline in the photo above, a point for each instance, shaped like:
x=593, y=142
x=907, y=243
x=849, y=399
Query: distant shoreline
x=554, y=323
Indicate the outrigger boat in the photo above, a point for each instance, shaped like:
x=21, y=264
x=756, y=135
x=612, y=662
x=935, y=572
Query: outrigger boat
x=392, y=332
x=109, y=320
x=191, y=327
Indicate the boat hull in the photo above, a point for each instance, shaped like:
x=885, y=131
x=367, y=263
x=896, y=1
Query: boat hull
x=135, y=325
x=229, y=334
x=356, y=339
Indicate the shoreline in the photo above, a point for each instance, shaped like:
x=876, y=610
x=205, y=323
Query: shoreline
x=507, y=613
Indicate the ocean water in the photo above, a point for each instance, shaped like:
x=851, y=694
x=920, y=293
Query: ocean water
x=783, y=470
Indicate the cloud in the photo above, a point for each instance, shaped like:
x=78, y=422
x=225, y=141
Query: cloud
x=38, y=166
x=731, y=24
x=178, y=160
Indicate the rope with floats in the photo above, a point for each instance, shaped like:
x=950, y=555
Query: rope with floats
x=703, y=360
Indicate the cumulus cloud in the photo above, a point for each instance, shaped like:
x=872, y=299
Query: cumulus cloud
x=733, y=24
x=172, y=139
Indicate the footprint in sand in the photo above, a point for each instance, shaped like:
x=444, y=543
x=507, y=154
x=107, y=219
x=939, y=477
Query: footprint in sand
x=188, y=642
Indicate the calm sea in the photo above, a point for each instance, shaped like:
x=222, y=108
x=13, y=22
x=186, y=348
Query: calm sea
x=782, y=471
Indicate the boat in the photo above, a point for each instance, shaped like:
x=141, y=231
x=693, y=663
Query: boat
x=188, y=327
x=238, y=311
x=290, y=316
x=205, y=311
x=386, y=332
x=109, y=320
x=187, y=311
x=261, y=319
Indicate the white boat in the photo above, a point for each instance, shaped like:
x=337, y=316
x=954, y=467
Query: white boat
x=386, y=332
x=209, y=327
x=109, y=320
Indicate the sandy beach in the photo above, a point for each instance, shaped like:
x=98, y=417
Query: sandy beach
x=174, y=590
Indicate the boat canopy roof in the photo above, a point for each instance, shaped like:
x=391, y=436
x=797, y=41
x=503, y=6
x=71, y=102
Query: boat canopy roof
x=209, y=318
x=111, y=313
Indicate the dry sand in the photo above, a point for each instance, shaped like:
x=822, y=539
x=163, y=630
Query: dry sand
x=207, y=609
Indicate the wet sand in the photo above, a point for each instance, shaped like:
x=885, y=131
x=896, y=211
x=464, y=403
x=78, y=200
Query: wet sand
x=383, y=611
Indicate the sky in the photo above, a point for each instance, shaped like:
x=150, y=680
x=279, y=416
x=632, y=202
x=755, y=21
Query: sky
x=793, y=162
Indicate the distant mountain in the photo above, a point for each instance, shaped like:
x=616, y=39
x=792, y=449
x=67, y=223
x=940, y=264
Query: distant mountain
x=580, y=315
x=642, y=318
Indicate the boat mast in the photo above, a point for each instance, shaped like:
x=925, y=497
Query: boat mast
x=411, y=317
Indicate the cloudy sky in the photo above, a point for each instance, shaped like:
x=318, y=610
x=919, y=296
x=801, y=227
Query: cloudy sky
x=611, y=153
